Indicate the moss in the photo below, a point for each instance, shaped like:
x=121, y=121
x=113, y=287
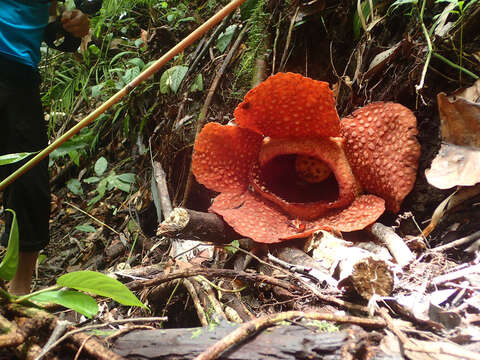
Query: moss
x=256, y=44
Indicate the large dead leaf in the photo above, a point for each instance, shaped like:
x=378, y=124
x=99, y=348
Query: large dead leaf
x=454, y=165
x=458, y=161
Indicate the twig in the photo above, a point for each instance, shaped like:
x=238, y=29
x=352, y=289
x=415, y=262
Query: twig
x=206, y=105
x=275, y=41
x=196, y=302
x=456, y=274
x=218, y=288
x=429, y=50
x=254, y=326
x=161, y=181
x=93, y=218
x=233, y=274
x=465, y=240
x=287, y=41
x=79, y=351
x=60, y=328
x=207, y=45
x=207, y=287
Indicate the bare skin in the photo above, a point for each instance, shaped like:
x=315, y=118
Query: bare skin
x=21, y=283
x=78, y=24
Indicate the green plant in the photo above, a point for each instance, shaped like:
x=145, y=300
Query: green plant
x=70, y=288
x=257, y=21
x=111, y=181
x=172, y=78
x=13, y=158
x=428, y=33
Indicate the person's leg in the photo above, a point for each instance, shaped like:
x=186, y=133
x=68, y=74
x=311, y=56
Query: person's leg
x=29, y=195
x=21, y=283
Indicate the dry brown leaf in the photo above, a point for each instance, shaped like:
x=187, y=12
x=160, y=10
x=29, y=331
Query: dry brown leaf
x=382, y=59
x=460, y=117
x=454, y=165
x=458, y=161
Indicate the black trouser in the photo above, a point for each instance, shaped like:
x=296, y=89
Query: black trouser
x=22, y=129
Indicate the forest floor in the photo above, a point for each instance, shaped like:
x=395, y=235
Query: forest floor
x=422, y=305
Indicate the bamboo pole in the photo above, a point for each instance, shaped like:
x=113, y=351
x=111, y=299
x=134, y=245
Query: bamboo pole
x=152, y=69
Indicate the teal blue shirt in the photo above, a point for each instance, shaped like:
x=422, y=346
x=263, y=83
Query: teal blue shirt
x=22, y=24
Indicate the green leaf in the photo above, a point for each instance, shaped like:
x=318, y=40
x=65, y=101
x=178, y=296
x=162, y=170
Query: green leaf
x=225, y=38
x=119, y=184
x=187, y=19
x=357, y=23
x=75, y=187
x=41, y=258
x=96, y=90
x=75, y=157
x=91, y=180
x=399, y=3
x=13, y=158
x=100, y=284
x=8, y=266
x=86, y=228
x=77, y=142
x=136, y=62
x=130, y=74
x=232, y=249
x=128, y=178
x=100, y=166
x=81, y=303
x=101, y=188
x=197, y=83
x=172, y=78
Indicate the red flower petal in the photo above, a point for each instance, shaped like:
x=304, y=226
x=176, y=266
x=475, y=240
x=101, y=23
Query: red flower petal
x=382, y=149
x=223, y=156
x=252, y=216
x=289, y=105
x=327, y=150
x=364, y=211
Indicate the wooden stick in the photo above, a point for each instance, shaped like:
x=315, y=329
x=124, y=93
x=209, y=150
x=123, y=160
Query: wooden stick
x=155, y=67
x=395, y=244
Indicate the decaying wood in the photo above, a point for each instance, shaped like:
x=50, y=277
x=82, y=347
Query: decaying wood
x=162, y=188
x=395, y=244
x=310, y=266
x=367, y=275
x=254, y=326
x=32, y=319
x=293, y=341
x=189, y=224
x=232, y=274
x=462, y=241
x=11, y=335
x=454, y=275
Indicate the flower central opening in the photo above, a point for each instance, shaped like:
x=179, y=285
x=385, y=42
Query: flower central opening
x=282, y=176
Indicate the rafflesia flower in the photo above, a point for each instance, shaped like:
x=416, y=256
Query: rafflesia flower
x=290, y=166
